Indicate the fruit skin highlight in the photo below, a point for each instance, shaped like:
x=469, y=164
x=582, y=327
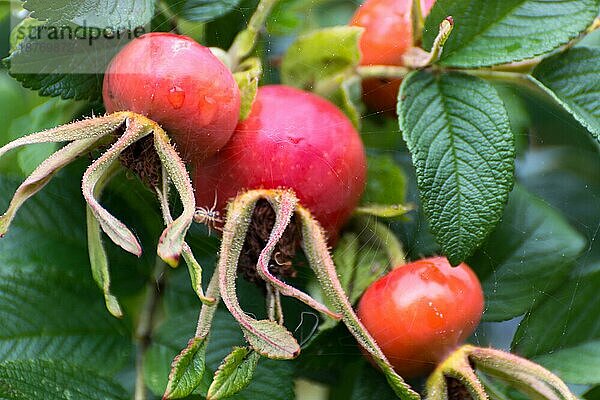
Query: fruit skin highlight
x=291, y=139
x=387, y=36
x=178, y=83
x=422, y=311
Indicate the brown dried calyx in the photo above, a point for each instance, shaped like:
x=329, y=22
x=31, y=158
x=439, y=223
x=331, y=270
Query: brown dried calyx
x=261, y=225
x=142, y=159
x=456, y=390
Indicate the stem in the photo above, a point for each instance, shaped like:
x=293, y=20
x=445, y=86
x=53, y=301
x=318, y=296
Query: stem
x=245, y=41
x=207, y=312
x=382, y=71
x=505, y=76
x=146, y=324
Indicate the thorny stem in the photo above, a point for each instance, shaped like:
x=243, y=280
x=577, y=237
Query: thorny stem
x=270, y=302
x=146, y=324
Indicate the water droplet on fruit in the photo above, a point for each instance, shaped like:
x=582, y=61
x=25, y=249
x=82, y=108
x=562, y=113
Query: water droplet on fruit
x=176, y=97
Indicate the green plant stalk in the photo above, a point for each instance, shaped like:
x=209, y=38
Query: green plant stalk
x=245, y=41
x=145, y=325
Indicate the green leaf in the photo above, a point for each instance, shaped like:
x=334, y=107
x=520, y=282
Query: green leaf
x=572, y=79
x=234, y=374
x=592, y=394
x=370, y=384
x=49, y=304
x=187, y=370
x=358, y=265
x=71, y=68
x=272, y=379
x=348, y=98
x=206, y=10
x=386, y=181
x=116, y=14
x=459, y=137
x=320, y=55
x=527, y=256
x=490, y=32
x=54, y=380
x=563, y=333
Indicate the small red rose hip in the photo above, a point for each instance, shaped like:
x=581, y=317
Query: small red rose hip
x=421, y=311
x=291, y=139
x=181, y=85
x=387, y=36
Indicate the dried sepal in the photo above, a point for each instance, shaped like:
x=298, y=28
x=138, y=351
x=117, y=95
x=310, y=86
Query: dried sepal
x=524, y=375
x=266, y=337
x=284, y=204
x=86, y=129
x=136, y=128
x=416, y=57
x=42, y=175
x=171, y=242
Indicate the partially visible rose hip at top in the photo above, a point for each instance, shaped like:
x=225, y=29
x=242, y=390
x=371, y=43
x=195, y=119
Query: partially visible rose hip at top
x=181, y=85
x=291, y=139
x=387, y=36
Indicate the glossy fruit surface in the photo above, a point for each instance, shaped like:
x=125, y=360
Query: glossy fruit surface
x=387, y=36
x=292, y=139
x=181, y=85
x=421, y=311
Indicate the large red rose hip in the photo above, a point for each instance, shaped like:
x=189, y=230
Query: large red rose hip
x=292, y=139
x=181, y=85
x=421, y=311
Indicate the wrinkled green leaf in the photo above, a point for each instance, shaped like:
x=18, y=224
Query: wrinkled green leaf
x=206, y=10
x=527, y=256
x=55, y=380
x=49, y=304
x=572, y=78
x=490, y=32
x=234, y=373
x=187, y=370
x=95, y=13
x=320, y=55
x=563, y=333
x=459, y=137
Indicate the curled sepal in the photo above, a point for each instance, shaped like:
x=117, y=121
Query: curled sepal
x=194, y=266
x=284, y=204
x=187, y=370
x=136, y=128
x=42, y=175
x=171, y=242
x=96, y=251
x=457, y=373
x=524, y=375
x=234, y=373
x=266, y=337
x=416, y=57
x=99, y=264
x=317, y=253
x=86, y=129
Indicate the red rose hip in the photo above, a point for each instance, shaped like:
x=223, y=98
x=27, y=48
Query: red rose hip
x=291, y=139
x=419, y=312
x=181, y=85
